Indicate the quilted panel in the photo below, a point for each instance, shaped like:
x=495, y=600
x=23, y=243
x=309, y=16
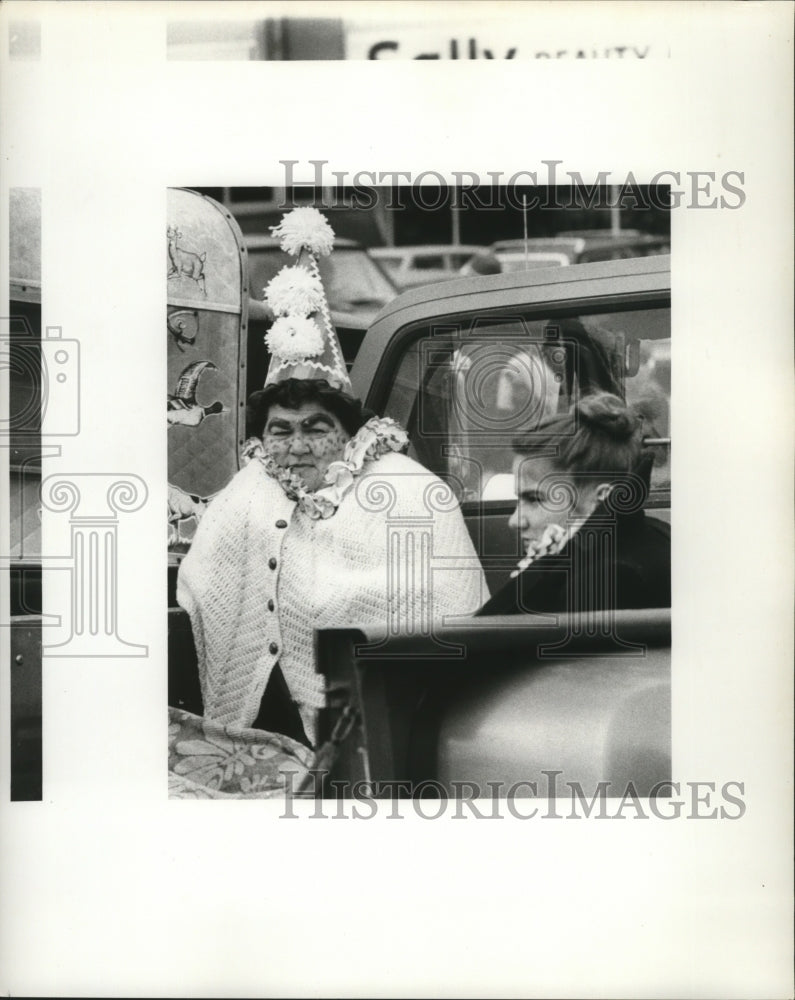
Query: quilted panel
x=205, y=323
x=202, y=458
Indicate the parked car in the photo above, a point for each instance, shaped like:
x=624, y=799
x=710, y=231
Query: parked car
x=422, y=265
x=575, y=247
x=507, y=699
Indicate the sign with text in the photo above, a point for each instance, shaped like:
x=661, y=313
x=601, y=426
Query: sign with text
x=490, y=39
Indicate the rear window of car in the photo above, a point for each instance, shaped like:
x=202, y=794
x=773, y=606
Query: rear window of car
x=464, y=390
x=428, y=262
x=607, y=253
x=391, y=264
x=350, y=277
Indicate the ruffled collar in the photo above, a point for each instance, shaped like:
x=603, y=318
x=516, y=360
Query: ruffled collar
x=554, y=538
x=379, y=436
x=551, y=542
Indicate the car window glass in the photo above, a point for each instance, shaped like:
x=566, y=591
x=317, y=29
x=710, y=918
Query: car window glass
x=350, y=277
x=457, y=260
x=391, y=264
x=428, y=262
x=606, y=253
x=466, y=389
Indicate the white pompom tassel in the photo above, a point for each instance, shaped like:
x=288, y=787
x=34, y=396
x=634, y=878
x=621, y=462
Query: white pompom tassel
x=295, y=291
x=294, y=339
x=305, y=229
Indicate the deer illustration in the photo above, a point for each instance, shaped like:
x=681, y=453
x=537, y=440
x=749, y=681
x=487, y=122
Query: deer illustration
x=184, y=261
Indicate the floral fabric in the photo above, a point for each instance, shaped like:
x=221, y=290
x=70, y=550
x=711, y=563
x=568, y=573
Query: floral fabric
x=207, y=760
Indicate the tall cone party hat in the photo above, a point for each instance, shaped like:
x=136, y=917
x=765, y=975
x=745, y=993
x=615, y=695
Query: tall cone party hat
x=302, y=341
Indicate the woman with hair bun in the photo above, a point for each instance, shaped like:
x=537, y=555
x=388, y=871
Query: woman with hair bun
x=581, y=487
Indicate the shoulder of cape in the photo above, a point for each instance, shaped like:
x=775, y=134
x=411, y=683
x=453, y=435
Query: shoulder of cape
x=396, y=466
x=416, y=489
x=250, y=474
x=395, y=462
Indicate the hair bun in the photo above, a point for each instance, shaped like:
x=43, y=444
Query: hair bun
x=609, y=414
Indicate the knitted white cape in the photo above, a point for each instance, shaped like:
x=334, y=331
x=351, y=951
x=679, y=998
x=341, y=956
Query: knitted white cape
x=396, y=554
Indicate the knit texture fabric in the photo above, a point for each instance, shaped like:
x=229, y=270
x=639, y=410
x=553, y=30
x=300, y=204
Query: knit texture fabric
x=396, y=554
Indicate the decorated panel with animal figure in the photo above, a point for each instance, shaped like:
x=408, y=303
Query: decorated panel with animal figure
x=206, y=325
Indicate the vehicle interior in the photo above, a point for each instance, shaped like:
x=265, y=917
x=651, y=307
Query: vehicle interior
x=464, y=390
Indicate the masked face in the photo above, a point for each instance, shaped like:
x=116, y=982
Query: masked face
x=306, y=441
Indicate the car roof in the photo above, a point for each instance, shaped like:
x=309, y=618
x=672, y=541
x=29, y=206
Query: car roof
x=534, y=261
x=428, y=248
x=617, y=244
x=579, y=273
x=587, y=234
x=565, y=285
x=587, y=239
x=540, y=243
x=258, y=241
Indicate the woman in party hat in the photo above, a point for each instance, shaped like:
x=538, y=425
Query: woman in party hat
x=299, y=539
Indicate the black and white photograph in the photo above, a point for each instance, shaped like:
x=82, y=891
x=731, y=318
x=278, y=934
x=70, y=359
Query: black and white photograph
x=461, y=664
x=467, y=492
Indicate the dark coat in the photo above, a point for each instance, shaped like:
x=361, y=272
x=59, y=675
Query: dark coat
x=590, y=574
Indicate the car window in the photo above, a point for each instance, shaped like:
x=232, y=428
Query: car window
x=351, y=278
x=428, y=262
x=390, y=264
x=457, y=260
x=466, y=389
x=607, y=253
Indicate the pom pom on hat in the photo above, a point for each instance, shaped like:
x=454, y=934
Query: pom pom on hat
x=294, y=339
x=305, y=229
x=302, y=341
x=295, y=291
